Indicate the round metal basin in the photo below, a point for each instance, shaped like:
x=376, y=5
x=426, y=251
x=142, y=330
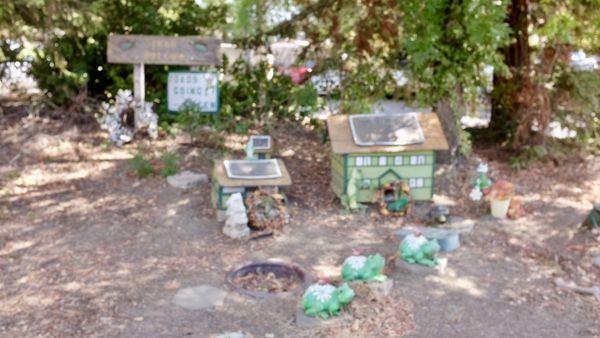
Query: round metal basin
x=279, y=269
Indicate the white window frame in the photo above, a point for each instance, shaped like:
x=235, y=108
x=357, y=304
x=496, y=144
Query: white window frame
x=420, y=183
x=413, y=160
x=421, y=160
x=412, y=182
x=382, y=160
x=363, y=161
x=398, y=160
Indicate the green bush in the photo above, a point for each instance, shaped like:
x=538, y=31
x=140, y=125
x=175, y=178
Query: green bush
x=169, y=164
x=141, y=166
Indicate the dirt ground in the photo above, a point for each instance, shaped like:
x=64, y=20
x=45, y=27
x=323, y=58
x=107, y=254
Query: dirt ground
x=88, y=249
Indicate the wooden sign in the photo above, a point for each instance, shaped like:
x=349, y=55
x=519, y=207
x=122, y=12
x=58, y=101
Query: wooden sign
x=164, y=50
x=198, y=88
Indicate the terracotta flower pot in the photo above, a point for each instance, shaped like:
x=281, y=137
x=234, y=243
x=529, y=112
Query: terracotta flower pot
x=500, y=208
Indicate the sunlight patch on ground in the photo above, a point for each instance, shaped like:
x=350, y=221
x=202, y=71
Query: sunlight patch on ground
x=450, y=281
x=14, y=246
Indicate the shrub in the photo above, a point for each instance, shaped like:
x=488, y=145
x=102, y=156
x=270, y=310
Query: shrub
x=141, y=166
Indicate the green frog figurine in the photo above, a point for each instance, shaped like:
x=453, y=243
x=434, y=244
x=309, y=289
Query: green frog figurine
x=357, y=267
x=325, y=300
x=416, y=249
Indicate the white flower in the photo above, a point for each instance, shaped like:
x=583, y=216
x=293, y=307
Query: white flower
x=356, y=262
x=414, y=242
x=476, y=194
x=482, y=168
x=322, y=292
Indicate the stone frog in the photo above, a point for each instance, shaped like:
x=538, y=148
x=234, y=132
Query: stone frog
x=416, y=249
x=363, y=268
x=325, y=300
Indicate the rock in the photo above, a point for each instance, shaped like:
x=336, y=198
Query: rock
x=461, y=225
x=236, y=219
x=596, y=261
x=200, y=297
x=288, y=153
x=187, y=179
x=448, y=239
x=237, y=334
x=305, y=321
x=417, y=269
x=381, y=289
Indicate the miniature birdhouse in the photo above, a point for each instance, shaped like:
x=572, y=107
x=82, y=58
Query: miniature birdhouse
x=384, y=148
x=262, y=145
x=242, y=176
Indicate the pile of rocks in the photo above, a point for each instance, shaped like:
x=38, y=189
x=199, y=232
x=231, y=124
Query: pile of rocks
x=236, y=219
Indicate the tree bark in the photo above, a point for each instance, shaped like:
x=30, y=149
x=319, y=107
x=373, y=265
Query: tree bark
x=512, y=98
x=451, y=129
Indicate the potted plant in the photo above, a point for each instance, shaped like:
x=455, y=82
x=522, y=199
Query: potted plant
x=500, y=195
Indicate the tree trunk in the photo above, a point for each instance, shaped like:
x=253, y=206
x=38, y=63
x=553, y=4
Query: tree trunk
x=515, y=99
x=451, y=129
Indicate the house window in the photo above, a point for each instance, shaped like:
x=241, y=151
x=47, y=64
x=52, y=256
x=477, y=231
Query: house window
x=382, y=160
x=412, y=183
x=363, y=161
x=416, y=183
x=398, y=160
x=366, y=183
x=417, y=160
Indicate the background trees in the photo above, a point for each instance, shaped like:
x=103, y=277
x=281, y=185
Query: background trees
x=443, y=46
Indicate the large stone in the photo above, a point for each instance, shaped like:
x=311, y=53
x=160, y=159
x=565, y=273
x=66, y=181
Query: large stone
x=187, y=179
x=381, y=289
x=200, y=297
x=461, y=225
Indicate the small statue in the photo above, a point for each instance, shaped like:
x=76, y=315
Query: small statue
x=416, y=249
x=349, y=201
x=483, y=181
x=439, y=214
x=250, y=152
x=325, y=300
x=358, y=267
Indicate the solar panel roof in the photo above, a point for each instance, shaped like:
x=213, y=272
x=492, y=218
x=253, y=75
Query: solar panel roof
x=252, y=169
x=261, y=142
x=386, y=129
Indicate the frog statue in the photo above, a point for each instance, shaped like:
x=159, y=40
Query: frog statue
x=363, y=268
x=325, y=300
x=416, y=249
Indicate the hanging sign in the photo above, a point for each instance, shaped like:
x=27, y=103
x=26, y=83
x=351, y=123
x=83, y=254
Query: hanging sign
x=163, y=50
x=197, y=88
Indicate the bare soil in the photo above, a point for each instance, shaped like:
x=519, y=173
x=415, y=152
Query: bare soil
x=88, y=249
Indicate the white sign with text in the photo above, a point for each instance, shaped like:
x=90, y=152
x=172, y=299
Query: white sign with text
x=196, y=88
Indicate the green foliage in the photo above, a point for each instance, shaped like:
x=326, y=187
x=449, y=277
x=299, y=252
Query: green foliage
x=72, y=56
x=449, y=42
x=576, y=103
x=169, y=164
x=141, y=166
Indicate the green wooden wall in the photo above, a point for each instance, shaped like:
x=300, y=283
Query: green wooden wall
x=416, y=168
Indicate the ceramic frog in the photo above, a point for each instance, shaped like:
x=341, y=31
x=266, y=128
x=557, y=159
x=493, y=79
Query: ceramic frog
x=363, y=268
x=416, y=249
x=325, y=300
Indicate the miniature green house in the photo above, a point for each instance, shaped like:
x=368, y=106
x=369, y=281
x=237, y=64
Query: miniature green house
x=224, y=184
x=378, y=163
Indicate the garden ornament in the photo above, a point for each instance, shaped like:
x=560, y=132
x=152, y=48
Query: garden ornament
x=357, y=267
x=325, y=300
x=250, y=152
x=350, y=200
x=416, y=249
x=439, y=214
x=483, y=181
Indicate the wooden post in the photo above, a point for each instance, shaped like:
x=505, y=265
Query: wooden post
x=139, y=84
